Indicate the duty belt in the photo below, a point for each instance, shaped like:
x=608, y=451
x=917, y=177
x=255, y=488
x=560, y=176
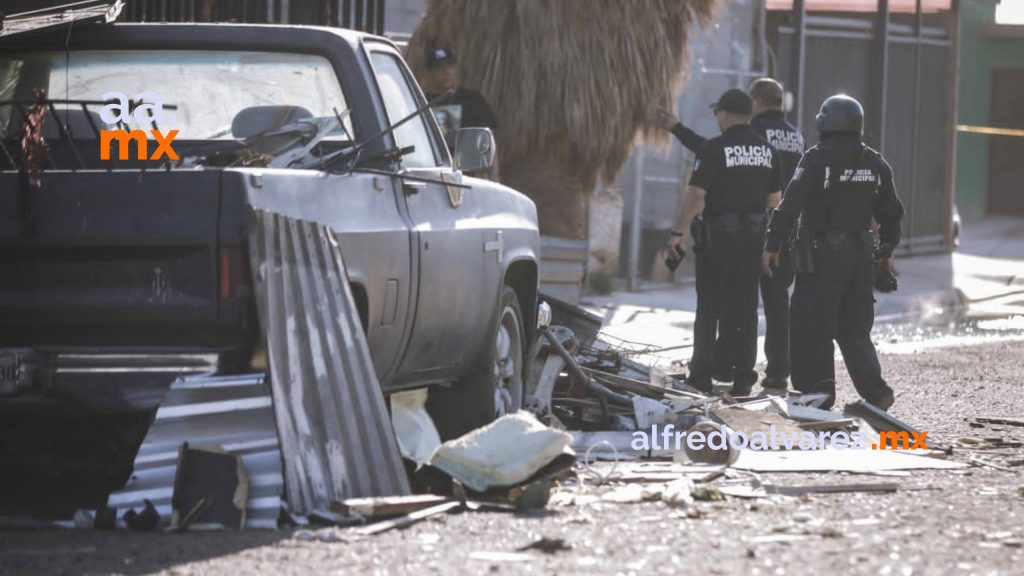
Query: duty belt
x=734, y=222
x=861, y=239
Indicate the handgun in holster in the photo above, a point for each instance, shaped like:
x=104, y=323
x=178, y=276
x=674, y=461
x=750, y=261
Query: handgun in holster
x=702, y=235
x=805, y=249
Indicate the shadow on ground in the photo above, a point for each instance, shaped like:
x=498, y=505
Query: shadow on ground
x=120, y=552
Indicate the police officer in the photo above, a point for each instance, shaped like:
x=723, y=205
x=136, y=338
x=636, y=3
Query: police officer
x=735, y=179
x=768, y=122
x=838, y=187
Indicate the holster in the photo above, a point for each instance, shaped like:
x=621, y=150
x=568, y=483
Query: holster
x=804, y=256
x=701, y=230
x=805, y=249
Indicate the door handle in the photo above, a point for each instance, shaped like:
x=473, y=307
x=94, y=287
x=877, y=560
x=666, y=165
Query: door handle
x=411, y=187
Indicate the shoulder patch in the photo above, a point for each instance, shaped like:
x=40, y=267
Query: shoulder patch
x=798, y=173
x=696, y=165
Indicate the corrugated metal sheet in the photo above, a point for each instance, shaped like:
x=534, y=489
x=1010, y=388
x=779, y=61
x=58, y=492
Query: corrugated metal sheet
x=563, y=265
x=334, y=427
x=234, y=413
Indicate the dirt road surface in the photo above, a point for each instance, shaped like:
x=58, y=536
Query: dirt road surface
x=968, y=521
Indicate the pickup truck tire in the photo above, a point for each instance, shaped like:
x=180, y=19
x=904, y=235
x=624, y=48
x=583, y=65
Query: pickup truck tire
x=493, y=391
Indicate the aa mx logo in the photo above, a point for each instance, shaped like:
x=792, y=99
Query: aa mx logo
x=146, y=109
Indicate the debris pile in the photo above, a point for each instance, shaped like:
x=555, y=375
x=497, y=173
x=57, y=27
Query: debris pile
x=597, y=427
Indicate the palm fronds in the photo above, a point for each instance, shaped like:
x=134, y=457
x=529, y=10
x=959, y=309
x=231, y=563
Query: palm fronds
x=573, y=82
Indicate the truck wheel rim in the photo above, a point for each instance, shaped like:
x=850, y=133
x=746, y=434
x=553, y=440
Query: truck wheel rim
x=508, y=364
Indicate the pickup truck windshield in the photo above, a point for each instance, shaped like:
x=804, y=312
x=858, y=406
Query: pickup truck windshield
x=202, y=93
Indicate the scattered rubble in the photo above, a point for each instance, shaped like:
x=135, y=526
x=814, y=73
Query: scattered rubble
x=585, y=399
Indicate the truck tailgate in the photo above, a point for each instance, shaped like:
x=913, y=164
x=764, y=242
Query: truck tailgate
x=120, y=258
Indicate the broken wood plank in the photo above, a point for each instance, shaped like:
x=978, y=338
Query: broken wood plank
x=836, y=460
x=1007, y=421
x=382, y=506
x=980, y=462
x=408, y=519
x=748, y=422
x=885, y=487
x=824, y=425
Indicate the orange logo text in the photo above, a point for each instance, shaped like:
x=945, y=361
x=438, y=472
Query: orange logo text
x=124, y=139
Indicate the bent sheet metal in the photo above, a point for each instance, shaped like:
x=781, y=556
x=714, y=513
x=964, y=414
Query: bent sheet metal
x=332, y=421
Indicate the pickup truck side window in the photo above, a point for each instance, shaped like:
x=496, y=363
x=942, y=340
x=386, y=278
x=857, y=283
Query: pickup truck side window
x=399, y=103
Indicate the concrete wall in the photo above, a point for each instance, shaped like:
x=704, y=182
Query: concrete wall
x=979, y=55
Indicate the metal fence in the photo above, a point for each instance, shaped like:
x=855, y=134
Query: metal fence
x=841, y=56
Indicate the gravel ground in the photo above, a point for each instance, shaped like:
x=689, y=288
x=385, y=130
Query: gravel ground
x=967, y=521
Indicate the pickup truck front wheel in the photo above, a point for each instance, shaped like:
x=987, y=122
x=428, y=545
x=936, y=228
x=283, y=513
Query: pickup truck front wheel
x=496, y=390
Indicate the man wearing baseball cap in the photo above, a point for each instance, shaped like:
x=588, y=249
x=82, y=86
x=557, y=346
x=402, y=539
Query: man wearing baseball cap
x=736, y=180
x=769, y=122
x=465, y=108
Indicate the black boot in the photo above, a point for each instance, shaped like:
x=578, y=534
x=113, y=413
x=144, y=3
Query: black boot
x=775, y=386
x=741, y=388
x=884, y=402
x=701, y=384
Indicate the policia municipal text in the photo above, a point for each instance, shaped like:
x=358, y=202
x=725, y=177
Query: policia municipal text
x=768, y=122
x=836, y=190
x=736, y=178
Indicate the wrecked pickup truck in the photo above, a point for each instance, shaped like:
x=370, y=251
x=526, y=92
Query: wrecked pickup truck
x=132, y=158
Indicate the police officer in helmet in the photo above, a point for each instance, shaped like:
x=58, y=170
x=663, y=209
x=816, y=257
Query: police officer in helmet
x=836, y=190
x=736, y=178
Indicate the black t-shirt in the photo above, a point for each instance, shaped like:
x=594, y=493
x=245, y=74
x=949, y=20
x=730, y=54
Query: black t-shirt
x=770, y=125
x=464, y=109
x=738, y=170
x=783, y=137
x=839, y=186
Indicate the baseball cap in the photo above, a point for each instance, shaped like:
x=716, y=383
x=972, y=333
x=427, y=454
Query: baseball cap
x=734, y=101
x=438, y=56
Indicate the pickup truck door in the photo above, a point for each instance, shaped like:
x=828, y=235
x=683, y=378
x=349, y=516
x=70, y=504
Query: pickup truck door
x=450, y=319
x=365, y=215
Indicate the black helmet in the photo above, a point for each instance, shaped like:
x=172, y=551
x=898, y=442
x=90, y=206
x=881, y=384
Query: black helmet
x=840, y=113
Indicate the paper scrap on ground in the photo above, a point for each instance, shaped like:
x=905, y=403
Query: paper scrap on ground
x=835, y=460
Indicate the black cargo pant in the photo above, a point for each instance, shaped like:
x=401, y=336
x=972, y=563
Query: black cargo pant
x=836, y=303
x=725, y=327
x=775, y=299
